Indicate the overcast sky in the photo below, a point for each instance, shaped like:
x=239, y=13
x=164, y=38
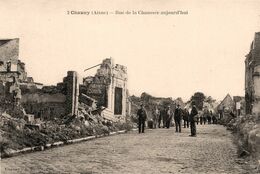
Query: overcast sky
x=169, y=56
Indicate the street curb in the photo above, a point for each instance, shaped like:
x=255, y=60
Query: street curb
x=80, y=140
x=60, y=143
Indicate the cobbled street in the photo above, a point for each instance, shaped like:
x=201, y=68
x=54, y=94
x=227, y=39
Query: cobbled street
x=156, y=151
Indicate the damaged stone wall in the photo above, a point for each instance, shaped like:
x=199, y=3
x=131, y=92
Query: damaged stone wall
x=12, y=70
x=109, y=88
x=53, y=101
x=9, y=50
x=97, y=87
x=10, y=65
x=71, y=84
x=252, y=77
x=43, y=105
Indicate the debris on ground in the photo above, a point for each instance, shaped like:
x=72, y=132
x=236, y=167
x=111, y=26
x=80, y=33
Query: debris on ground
x=18, y=133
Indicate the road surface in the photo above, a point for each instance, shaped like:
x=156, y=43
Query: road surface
x=155, y=151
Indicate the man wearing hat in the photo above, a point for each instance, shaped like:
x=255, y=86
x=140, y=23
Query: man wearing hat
x=163, y=116
x=177, y=118
x=168, y=117
x=141, y=113
x=193, y=115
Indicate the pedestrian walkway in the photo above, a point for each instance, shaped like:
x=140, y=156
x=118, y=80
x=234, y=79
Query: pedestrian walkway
x=156, y=151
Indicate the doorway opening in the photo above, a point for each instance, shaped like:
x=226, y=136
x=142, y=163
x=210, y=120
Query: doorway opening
x=118, y=101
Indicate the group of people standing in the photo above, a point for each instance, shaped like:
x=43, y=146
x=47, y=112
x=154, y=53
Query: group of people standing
x=165, y=117
x=207, y=116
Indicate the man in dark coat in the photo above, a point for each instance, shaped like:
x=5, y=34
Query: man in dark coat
x=214, y=119
x=164, y=116
x=197, y=120
x=204, y=119
x=193, y=115
x=160, y=118
x=210, y=117
x=177, y=118
x=201, y=119
x=186, y=118
x=168, y=117
x=142, y=116
x=205, y=113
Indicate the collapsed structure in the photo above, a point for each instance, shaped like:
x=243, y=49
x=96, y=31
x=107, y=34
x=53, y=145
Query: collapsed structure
x=53, y=101
x=12, y=70
x=109, y=88
x=13, y=76
x=106, y=91
x=10, y=66
x=252, y=77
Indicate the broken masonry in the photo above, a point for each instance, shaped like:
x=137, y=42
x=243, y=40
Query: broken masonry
x=106, y=91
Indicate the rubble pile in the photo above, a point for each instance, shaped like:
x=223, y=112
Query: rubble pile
x=17, y=133
x=247, y=131
x=14, y=134
x=228, y=120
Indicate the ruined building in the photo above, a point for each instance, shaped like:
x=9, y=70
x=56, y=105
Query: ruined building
x=13, y=76
x=109, y=88
x=10, y=65
x=44, y=102
x=71, y=86
x=106, y=92
x=252, y=77
x=54, y=101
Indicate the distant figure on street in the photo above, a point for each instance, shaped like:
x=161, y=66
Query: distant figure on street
x=205, y=115
x=160, y=118
x=204, y=119
x=193, y=115
x=142, y=116
x=214, y=119
x=168, y=117
x=177, y=118
x=164, y=116
x=210, y=117
x=156, y=114
x=186, y=118
x=8, y=66
x=201, y=119
x=197, y=120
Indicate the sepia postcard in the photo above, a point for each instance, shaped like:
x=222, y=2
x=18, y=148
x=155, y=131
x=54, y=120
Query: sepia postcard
x=138, y=87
